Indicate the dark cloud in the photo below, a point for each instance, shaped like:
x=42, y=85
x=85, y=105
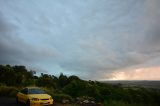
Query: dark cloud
x=100, y=55
x=13, y=50
x=94, y=38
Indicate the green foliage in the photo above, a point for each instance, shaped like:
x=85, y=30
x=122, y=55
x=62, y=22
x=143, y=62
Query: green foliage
x=8, y=91
x=63, y=80
x=46, y=80
x=122, y=103
x=75, y=89
x=73, y=78
x=15, y=76
x=60, y=97
x=106, y=92
x=82, y=88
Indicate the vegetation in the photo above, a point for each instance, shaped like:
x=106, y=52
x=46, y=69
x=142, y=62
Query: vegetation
x=12, y=78
x=8, y=91
x=15, y=76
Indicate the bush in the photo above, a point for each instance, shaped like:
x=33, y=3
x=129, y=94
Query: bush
x=122, y=103
x=8, y=91
x=60, y=97
x=57, y=95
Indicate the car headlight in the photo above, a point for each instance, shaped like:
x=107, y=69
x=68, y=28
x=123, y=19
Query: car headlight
x=35, y=99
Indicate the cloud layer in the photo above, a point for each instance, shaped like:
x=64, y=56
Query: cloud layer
x=92, y=39
x=15, y=50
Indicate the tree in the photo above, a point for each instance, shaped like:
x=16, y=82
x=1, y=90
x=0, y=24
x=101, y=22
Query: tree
x=63, y=80
x=15, y=75
x=46, y=80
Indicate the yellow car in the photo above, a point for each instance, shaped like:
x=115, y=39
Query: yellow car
x=33, y=96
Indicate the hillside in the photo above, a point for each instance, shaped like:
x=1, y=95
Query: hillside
x=136, y=83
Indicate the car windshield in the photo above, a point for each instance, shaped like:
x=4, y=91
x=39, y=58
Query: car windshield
x=36, y=91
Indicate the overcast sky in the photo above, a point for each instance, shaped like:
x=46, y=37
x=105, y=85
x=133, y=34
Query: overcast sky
x=93, y=39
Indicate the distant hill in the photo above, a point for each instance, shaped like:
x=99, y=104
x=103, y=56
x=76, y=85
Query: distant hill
x=136, y=83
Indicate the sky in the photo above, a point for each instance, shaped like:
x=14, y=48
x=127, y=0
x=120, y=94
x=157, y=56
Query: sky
x=93, y=39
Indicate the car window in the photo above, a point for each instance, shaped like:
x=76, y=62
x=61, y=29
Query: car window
x=24, y=91
x=36, y=91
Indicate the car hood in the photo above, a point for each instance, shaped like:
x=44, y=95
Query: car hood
x=39, y=96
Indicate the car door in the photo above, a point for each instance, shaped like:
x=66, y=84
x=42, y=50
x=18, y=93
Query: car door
x=23, y=95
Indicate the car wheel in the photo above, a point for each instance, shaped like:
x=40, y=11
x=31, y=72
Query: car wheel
x=28, y=103
x=17, y=100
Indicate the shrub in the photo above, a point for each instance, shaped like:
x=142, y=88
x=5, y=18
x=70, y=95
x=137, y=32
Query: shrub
x=8, y=91
x=122, y=103
x=60, y=97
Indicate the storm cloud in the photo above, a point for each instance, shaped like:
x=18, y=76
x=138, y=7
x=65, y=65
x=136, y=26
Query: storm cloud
x=14, y=50
x=89, y=38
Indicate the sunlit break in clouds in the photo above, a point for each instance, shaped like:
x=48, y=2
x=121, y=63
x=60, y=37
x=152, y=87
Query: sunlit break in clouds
x=137, y=74
x=93, y=39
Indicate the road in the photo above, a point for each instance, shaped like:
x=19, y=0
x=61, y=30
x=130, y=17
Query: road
x=5, y=101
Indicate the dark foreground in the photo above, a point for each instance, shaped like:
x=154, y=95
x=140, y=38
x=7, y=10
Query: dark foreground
x=5, y=101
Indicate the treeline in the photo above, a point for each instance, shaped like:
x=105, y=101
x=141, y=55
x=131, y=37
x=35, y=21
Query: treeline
x=16, y=75
x=73, y=87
